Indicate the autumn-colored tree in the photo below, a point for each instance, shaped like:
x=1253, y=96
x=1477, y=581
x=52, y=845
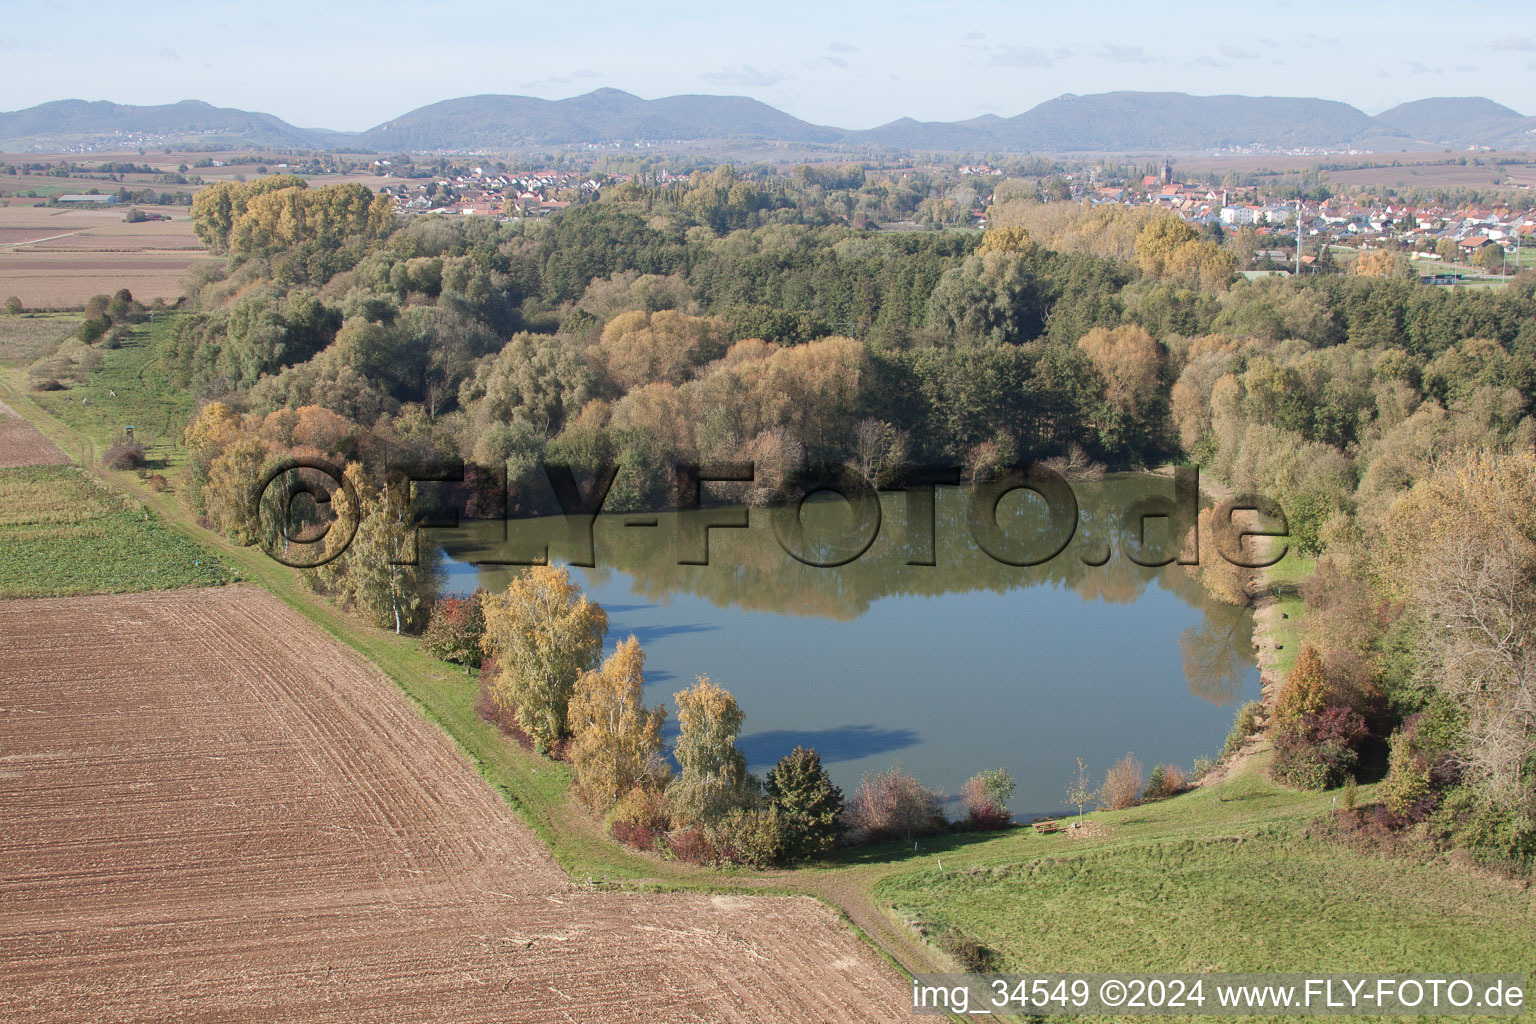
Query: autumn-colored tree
x=714, y=773
x=1381, y=263
x=1461, y=549
x=1201, y=265
x=644, y=348
x=1306, y=688
x=1123, y=784
x=544, y=634
x=382, y=572
x=1007, y=239
x=232, y=476
x=455, y=629
x=1156, y=243
x=1129, y=360
x=616, y=742
x=1492, y=258
x=217, y=208
x=809, y=805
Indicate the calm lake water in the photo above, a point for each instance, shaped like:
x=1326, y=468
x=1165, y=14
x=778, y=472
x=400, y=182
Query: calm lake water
x=946, y=668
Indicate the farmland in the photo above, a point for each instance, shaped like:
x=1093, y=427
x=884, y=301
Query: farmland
x=62, y=532
x=54, y=258
x=22, y=444
x=25, y=338
x=224, y=814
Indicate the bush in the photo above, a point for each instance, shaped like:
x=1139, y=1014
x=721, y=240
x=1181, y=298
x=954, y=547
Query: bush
x=1122, y=786
x=1166, y=780
x=646, y=808
x=1306, y=760
x=892, y=804
x=128, y=455
x=1202, y=767
x=92, y=328
x=691, y=846
x=453, y=632
x=1501, y=838
x=13, y=306
x=47, y=384
x=632, y=835
x=1406, y=788
x=157, y=483
x=973, y=956
x=1245, y=725
x=754, y=837
x=986, y=795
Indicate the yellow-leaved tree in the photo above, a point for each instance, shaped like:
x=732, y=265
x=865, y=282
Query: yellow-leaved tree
x=616, y=742
x=714, y=778
x=544, y=634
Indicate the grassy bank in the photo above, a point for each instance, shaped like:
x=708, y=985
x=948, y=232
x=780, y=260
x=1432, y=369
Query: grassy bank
x=1219, y=879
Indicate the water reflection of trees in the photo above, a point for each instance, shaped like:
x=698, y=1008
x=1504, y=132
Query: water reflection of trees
x=749, y=570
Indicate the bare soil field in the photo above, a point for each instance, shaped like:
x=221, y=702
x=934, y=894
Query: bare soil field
x=210, y=810
x=22, y=444
x=1412, y=170
x=57, y=259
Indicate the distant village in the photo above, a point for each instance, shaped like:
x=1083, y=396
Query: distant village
x=1434, y=232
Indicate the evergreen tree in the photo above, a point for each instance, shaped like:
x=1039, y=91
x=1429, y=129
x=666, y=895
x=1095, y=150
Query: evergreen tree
x=809, y=804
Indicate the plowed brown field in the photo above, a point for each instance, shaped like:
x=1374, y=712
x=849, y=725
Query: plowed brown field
x=210, y=810
x=22, y=444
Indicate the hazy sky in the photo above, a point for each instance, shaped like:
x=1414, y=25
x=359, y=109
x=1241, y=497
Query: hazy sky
x=349, y=65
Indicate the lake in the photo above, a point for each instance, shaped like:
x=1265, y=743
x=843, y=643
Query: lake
x=947, y=668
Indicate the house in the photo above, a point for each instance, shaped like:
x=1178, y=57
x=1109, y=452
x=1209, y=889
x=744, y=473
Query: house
x=109, y=199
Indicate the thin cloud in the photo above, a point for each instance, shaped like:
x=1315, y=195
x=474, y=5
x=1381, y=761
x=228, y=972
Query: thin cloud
x=1122, y=54
x=1237, y=53
x=1514, y=42
x=746, y=76
x=1420, y=68
x=838, y=47
x=1208, y=62
x=1021, y=57
x=976, y=34
x=166, y=53
x=1462, y=69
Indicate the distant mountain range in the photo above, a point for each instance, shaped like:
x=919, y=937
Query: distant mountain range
x=1106, y=122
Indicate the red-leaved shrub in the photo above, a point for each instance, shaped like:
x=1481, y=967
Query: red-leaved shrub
x=691, y=846
x=633, y=834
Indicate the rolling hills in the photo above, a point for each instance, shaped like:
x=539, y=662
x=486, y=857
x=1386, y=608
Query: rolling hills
x=1104, y=122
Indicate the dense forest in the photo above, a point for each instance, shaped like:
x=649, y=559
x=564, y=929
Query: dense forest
x=723, y=321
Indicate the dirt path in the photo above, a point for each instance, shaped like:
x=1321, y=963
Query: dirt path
x=1265, y=607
